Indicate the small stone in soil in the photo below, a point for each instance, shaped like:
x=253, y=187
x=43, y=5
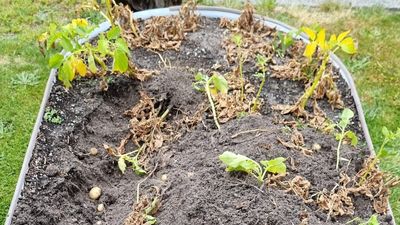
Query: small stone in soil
x=316, y=147
x=95, y=193
x=100, y=207
x=93, y=151
x=164, y=177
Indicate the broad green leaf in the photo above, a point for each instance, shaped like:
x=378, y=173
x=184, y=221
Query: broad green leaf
x=113, y=33
x=342, y=36
x=80, y=67
x=352, y=136
x=220, y=83
x=56, y=60
x=347, y=45
x=310, y=33
x=102, y=45
x=385, y=132
x=120, y=63
x=310, y=50
x=321, y=38
x=66, y=74
x=236, y=162
x=347, y=114
x=122, y=45
x=122, y=164
x=92, y=64
x=276, y=165
x=66, y=44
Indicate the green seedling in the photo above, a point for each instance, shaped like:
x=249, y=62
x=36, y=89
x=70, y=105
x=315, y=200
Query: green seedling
x=238, y=40
x=373, y=220
x=241, y=163
x=323, y=47
x=390, y=138
x=135, y=165
x=345, y=118
x=80, y=59
x=262, y=66
x=211, y=86
x=284, y=43
x=51, y=116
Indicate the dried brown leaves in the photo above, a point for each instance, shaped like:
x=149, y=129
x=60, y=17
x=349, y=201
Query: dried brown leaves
x=296, y=142
x=139, y=215
x=290, y=71
x=300, y=186
x=327, y=87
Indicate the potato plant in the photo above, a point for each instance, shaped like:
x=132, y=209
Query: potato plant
x=211, y=86
x=238, y=40
x=321, y=48
x=241, y=163
x=83, y=58
x=262, y=66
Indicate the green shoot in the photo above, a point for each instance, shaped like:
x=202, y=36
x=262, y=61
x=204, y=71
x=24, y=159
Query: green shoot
x=122, y=159
x=51, y=116
x=345, y=118
x=318, y=41
x=261, y=64
x=240, y=163
x=81, y=59
x=285, y=41
x=211, y=85
x=389, y=138
x=373, y=220
x=238, y=40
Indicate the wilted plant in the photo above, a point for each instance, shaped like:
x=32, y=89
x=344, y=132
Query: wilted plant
x=323, y=47
x=211, y=85
x=127, y=157
x=80, y=58
x=238, y=40
x=389, y=138
x=262, y=66
x=241, y=163
x=345, y=118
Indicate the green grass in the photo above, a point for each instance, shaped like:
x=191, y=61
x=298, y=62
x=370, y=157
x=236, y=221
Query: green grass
x=24, y=72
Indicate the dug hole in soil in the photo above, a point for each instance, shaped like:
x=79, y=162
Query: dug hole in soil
x=185, y=171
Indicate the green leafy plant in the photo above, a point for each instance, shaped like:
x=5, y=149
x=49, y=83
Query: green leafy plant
x=80, y=59
x=25, y=79
x=285, y=40
x=373, y=220
x=241, y=163
x=262, y=66
x=390, y=139
x=135, y=165
x=238, y=40
x=323, y=47
x=51, y=116
x=211, y=85
x=345, y=118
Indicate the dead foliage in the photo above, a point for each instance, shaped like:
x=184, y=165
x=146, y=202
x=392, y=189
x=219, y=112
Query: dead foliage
x=303, y=218
x=336, y=203
x=300, y=186
x=292, y=70
x=159, y=32
x=140, y=74
x=143, y=211
x=327, y=88
x=296, y=142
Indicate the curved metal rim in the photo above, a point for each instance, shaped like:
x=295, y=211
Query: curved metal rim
x=207, y=11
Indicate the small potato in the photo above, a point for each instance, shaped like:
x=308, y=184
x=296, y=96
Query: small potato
x=316, y=147
x=100, y=207
x=93, y=151
x=164, y=177
x=95, y=193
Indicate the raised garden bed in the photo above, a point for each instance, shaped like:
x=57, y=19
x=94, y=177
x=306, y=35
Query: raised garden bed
x=181, y=153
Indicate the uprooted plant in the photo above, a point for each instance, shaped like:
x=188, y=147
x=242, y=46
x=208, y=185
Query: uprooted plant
x=211, y=86
x=262, y=66
x=127, y=157
x=345, y=118
x=241, y=163
x=321, y=48
x=390, y=138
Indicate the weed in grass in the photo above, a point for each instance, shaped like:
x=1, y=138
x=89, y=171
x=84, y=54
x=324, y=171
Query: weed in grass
x=330, y=6
x=25, y=79
x=6, y=128
x=241, y=163
x=345, y=118
x=357, y=63
x=211, y=85
x=52, y=116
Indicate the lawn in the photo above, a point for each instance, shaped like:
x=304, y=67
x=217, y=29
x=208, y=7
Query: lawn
x=24, y=71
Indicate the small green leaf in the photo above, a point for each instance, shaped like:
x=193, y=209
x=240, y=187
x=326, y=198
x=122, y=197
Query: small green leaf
x=385, y=132
x=347, y=114
x=260, y=75
x=352, y=136
x=122, y=164
x=348, y=46
x=237, y=39
x=66, y=44
x=220, y=83
x=236, y=162
x=121, y=61
x=122, y=45
x=103, y=46
x=373, y=220
x=113, y=33
x=92, y=64
x=276, y=165
x=56, y=60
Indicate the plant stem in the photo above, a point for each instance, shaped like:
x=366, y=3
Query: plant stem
x=309, y=92
x=373, y=163
x=255, y=104
x=338, y=149
x=241, y=79
x=207, y=87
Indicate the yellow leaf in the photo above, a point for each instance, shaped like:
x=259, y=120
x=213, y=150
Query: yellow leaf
x=80, y=22
x=310, y=49
x=348, y=45
x=43, y=37
x=214, y=92
x=342, y=36
x=321, y=37
x=310, y=33
x=80, y=67
x=332, y=41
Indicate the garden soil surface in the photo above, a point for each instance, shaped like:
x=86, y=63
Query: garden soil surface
x=193, y=184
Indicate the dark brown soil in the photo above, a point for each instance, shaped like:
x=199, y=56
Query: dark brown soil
x=197, y=190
